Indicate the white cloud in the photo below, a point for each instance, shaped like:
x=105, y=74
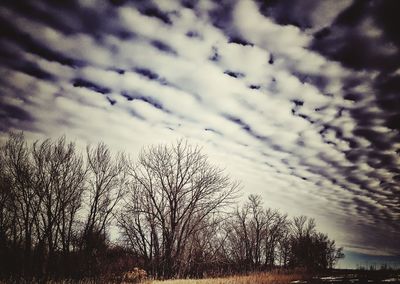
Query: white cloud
x=273, y=152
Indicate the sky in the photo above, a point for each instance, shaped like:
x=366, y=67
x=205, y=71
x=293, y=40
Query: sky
x=297, y=99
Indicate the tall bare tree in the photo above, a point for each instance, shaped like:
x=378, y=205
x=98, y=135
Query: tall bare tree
x=26, y=199
x=277, y=226
x=61, y=176
x=248, y=229
x=7, y=212
x=174, y=189
x=106, y=186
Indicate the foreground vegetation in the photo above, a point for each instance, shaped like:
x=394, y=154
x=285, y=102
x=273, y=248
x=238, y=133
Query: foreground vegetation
x=340, y=276
x=256, y=278
x=174, y=211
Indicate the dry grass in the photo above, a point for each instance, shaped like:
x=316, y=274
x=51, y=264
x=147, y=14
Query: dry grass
x=257, y=278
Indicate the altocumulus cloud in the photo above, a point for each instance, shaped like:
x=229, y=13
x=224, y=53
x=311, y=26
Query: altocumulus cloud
x=297, y=99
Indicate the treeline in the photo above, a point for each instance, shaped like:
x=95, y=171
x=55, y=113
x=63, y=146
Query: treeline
x=171, y=212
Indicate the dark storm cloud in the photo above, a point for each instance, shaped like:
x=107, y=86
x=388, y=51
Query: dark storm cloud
x=28, y=43
x=11, y=116
x=234, y=74
x=238, y=40
x=364, y=36
x=147, y=73
x=289, y=12
x=387, y=87
x=317, y=80
x=38, y=12
x=151, y=101
x=251, y=132
x=81, y=83
x=255, y=87
x=29, y=68
x=162, y=46
x=368, y=27
x=70, y=17
x=149, y=9
x=193, y=34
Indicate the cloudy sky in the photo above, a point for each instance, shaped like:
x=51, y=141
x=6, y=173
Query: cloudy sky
x=297, y=99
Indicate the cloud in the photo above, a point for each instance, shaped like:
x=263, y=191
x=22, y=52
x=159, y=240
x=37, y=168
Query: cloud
x=277, y=105
x=308, y=15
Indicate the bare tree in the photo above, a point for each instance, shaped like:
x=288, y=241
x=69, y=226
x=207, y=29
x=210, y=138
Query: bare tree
x=204, y=251
x=26, y=200
x=311, y=249
x=258, y=224
x=258, y=238
x=61, y=176
x=333, y=254
x=106, y=185
x=175, y=218
x=249, y=229
x=303, y=226
x=243, y=238
x=6, y=196
x=178, y=189
x=283, y=245
x=7, y=212
x=277, y=227
x=42, y=188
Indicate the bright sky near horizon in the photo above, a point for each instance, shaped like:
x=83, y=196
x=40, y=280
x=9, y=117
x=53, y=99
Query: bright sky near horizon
x=297, y=99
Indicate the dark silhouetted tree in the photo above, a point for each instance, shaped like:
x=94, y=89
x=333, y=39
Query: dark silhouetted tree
x=173, y=193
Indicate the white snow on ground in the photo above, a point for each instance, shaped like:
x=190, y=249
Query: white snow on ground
x=332, y=278
x=391, y=280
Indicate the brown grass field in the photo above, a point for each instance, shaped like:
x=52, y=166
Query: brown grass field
x=335, y=276
x=257, y=278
